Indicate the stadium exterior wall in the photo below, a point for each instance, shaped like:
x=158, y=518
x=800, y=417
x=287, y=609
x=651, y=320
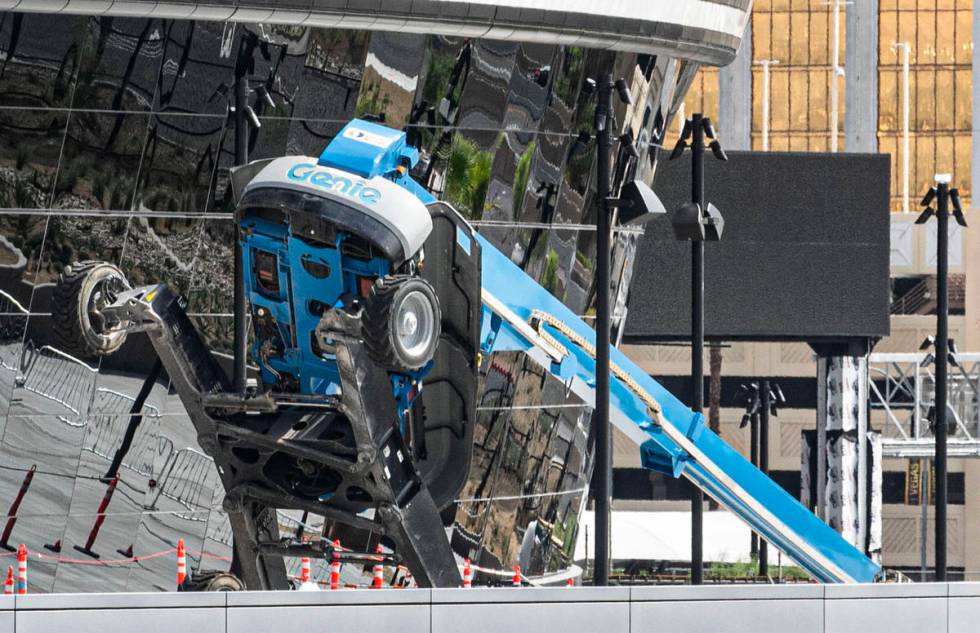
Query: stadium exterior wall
x=938, y=608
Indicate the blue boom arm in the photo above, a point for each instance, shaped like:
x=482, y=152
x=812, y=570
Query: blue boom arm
x=672, y=438
x=520, y=315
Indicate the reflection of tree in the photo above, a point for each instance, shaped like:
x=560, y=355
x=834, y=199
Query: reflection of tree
x=521, y=174
x=578, y=169
x=468, y=177
x=570, y=79
x=372, y=102
x=549, y=278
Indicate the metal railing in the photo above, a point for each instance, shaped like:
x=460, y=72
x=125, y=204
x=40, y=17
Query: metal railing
x=59, y=377
x=107, y=425
x=190, y=479
x=13, y=323
x=903, y=386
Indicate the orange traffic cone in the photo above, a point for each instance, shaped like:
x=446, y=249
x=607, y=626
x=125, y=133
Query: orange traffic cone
x=335, y=566
x=306, y=578
x=22, y=569
x=379, y=570
x=516, y=580
x=181, y=563
x=8, y=585
x=467, y=574
x=304, y=570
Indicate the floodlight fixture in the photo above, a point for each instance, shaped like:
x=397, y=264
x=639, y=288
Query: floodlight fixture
x=716, y=149
x=925, y=215
x=950, y=419
x=954, y=196
x=687, y=223
x=253, y=118
x=776, y=398
x=264, y=94
x=624, y=92
x=714, y=224
x=709, y=129
x=637, y=203
x=682, y=140
x=627, y=143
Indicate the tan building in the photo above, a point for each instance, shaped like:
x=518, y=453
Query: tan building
x=780, y=94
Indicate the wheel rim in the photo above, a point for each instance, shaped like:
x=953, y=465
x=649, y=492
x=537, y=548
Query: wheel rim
x=104, y=334
x=415, y=324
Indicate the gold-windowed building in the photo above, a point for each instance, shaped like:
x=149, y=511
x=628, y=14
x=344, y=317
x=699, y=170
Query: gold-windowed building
x=901, y=82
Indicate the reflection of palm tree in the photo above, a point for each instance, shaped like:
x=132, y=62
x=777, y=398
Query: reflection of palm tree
x=15, y=28
x=117, y=99
x=468, y=177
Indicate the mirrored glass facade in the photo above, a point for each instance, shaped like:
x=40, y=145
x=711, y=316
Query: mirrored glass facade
x=115, y=145
x=797, y=36
x=940, y=40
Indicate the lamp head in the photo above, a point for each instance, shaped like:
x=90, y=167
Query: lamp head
x=638, y=203
x=714, y=224
x=687, y=223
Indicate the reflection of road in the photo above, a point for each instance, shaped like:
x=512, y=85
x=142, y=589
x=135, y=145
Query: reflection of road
x=72, y=451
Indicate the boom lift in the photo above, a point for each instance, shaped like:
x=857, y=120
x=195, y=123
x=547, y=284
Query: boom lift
x=372, y=305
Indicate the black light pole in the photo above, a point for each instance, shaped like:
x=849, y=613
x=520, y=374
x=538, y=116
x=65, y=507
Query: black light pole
x=943, y=195
x=636, y=204
x=603, y=452
x=697, y=343
x=764, y=463
x=244, y=119
x=942, y=350
x=750, y=393
x=697, y=222
x=239, y=354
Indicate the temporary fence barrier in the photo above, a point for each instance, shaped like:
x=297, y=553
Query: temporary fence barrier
x=60, y=377
x=12, y=513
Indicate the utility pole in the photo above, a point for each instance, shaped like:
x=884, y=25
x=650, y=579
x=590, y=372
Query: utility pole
x=603, y=449
x=605, y=124
x=766, y=396
x=697, y=342
x=706, y=224
x=243, y=66
x=836, y=71
x=765, y=63
x=943, y=195
x=942, y=351
x=754, y=452
x=904, y=48
x=244, y=119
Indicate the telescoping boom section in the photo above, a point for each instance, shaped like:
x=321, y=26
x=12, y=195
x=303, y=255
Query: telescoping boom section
x=518, y=314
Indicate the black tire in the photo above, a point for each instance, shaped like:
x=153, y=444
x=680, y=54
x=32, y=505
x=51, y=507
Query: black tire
x=76, y=325
x=225, y=582
x=212, y=581
x=378, y=323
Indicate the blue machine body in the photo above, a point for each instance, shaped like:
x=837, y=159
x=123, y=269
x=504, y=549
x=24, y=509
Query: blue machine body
x=364, y=150
x=676, y=443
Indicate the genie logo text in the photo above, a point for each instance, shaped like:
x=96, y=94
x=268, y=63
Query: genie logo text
x=346, y=186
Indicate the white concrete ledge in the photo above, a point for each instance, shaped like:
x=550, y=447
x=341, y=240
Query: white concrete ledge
x=932, y=607
x=707, y=31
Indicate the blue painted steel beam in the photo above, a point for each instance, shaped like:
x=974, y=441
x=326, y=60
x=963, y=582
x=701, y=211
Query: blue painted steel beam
x=676, y=442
